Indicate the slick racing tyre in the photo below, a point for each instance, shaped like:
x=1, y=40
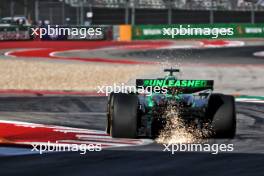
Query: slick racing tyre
x=123, y=116
x=109, y=111
x=222, y=113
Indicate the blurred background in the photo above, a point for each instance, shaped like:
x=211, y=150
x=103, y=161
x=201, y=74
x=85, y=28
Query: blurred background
x=135, y=12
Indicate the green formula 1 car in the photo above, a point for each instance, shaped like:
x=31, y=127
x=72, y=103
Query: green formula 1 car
x=135, y=114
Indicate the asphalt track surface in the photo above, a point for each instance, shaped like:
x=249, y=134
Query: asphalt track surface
x=236, y=55
x=89, y=112
x=215, y=55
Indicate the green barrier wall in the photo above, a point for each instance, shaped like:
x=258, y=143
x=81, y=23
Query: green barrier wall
x=209, y=31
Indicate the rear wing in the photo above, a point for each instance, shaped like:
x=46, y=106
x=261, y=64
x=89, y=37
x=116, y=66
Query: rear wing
x=181, y=85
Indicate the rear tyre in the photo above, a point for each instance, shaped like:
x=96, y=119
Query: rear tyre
x=222, y=113
x=123, y=116
x=108, y=112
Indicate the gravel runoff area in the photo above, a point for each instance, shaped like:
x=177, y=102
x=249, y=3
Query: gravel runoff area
x=39, y=75
x=33, y=75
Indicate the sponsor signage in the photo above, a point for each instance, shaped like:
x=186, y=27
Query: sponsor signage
x=197, y=31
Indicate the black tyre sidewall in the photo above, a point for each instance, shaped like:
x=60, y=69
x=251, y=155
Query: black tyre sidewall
x=223, y=120
x=124, y=116
x=109, y=112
